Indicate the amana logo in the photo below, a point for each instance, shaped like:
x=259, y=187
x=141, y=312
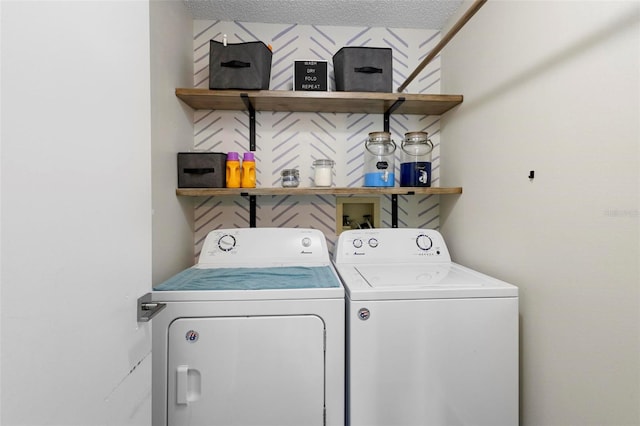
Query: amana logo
x=192, y=336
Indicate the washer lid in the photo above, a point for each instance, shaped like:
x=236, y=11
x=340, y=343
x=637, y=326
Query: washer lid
x=411, y=281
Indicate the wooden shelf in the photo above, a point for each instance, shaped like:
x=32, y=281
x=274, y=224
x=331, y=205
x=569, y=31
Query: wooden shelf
x=338, y=102
x=210, y=192
x=332, y=102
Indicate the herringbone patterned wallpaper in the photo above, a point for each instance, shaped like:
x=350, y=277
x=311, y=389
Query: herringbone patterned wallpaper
x=294, y=140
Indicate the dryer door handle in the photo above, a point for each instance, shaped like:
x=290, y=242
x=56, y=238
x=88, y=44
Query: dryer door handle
x=182, y=380
x=187, y=385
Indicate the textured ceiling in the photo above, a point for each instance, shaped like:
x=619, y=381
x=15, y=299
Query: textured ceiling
x=427, y=14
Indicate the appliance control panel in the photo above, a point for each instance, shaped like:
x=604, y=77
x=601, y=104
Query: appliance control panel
x=263, y=246
x=394, y=245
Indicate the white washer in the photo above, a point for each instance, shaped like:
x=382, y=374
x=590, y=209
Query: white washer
x=429, y=342
x=251, y=335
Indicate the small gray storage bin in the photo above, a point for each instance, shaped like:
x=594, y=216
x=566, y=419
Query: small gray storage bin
x=363, y=69
x=202, y=170
x=244, y=66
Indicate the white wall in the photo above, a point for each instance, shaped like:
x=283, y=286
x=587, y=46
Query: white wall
x=0, y=215
x=171, y=132
x=554, y=87
x=76, y=213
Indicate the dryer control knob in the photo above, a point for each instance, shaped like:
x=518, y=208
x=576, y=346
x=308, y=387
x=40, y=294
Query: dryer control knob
x=226, y=242
x=373, y=242
x=424, y=242
x=357, y=243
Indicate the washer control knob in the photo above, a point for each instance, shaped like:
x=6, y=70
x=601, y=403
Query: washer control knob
x=424, y=242
x=373, y=242
x=357, y=243
x=227, y=242
x=306, y=242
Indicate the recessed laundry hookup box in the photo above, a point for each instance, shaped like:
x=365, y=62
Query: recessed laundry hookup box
x=243, y=66
x=202, y=170
x=363, y=69
x=310, y=76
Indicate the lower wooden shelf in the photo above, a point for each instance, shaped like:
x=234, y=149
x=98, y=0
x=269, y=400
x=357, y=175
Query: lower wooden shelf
x=211, y=192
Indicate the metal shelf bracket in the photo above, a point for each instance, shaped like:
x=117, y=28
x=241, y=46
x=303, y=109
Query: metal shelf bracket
x=392, y=108
x=252, y=147
x=252, y=121
x=394, y=210
x=394, y=197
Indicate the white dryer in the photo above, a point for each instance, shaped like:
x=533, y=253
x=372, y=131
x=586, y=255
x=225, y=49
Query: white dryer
x=253, y=334
x=429, y=342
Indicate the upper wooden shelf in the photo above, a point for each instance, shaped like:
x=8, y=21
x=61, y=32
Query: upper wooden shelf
x=209, y=192
x=339, y=102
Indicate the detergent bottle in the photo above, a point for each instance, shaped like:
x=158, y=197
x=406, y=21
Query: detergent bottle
x=233, y=170
x=248, y=170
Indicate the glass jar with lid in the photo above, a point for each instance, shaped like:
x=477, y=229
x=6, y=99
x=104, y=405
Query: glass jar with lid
x=323, y=175
x=290, y=178
x=379, y=161
x=415, y=163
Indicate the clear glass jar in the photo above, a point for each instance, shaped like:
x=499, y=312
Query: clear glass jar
x=323, y=172
x=415, y=166
x=290, y=178
x=379, y=160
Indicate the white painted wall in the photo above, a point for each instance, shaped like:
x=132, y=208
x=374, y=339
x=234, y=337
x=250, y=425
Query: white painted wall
x=171, y=132
x=1, y=215
x=76, y=213
x=554, y=87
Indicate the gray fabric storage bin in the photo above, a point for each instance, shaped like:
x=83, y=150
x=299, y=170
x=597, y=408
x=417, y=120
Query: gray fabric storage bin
x=244, y=66
x=202, y=170
x=363, y=69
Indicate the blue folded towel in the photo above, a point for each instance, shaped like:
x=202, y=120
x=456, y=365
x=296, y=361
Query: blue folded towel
x=287, y=277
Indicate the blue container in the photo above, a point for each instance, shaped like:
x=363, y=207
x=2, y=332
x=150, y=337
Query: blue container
x=379, y=179
x=417, y=173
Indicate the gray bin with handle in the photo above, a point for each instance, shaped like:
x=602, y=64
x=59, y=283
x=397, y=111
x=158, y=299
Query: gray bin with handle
x=243, y=66
x=202, y=170
x=363, y=69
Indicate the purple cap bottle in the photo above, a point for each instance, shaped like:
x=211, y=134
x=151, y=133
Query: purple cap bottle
x=233, y=156
x=248, y=156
